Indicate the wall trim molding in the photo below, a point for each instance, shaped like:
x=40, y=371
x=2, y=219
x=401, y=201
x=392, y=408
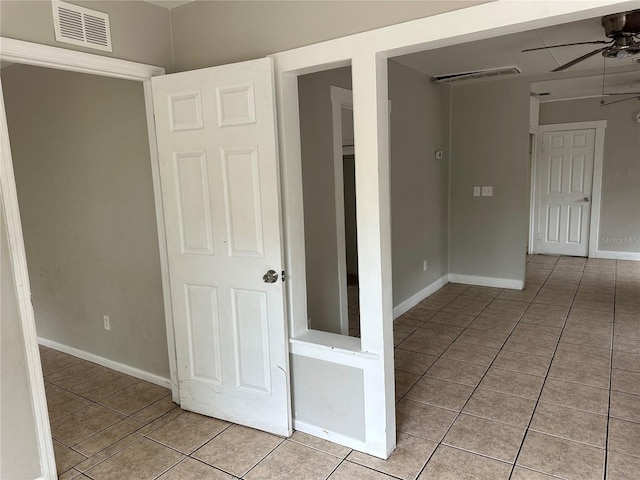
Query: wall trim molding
x=487, y=281
x=616, y=255
x=19, y=51
x=416, y=298
x=105, y=362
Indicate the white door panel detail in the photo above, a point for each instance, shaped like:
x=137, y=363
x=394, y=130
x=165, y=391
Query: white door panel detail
x=251, y=337
x=220, y=193
x=241, y=174
x=574, y=224
x=185, y=111
x=577, y=174
x=236, y=105
x=566, y=177
x=204, y=332
x=194, y=205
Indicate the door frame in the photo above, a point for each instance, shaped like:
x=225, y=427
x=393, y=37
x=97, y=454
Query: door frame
x=531, y=237
x=596, y=190
x=340, y=97
x=18, y=51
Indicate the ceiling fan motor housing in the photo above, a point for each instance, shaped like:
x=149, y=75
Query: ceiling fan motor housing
x=623, y=28
x=622, y=24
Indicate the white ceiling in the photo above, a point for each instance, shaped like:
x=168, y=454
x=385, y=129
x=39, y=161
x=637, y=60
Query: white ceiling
x=507, y=51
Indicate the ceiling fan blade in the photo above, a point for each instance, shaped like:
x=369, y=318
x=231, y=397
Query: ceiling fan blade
x=621, y=93
x=579, y=59
x=566, y=45
x=602, y=104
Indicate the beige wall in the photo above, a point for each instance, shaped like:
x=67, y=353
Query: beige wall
x=208, y=33
x=620, y=208
x=140, y=32
x=489, y=146
x=83, y=172
x=19, y=457
x=419, y=182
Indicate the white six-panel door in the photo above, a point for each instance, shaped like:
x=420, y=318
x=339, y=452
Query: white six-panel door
x=565, y=185
x=219, y=174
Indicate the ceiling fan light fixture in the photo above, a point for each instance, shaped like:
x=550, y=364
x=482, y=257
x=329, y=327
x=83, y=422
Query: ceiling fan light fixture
x=624, y=31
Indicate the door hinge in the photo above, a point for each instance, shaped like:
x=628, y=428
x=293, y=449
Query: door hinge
x=284, y=277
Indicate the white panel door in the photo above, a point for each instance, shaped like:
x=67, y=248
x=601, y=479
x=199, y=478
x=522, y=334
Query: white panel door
x=565, y=182
x=219, y=174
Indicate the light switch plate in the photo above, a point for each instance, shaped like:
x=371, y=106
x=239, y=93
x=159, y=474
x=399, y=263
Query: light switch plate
x=487, y=191
x=476, y=191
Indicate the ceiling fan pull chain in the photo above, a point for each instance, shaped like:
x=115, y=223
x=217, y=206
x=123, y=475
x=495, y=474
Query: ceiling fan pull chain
x=604, y=67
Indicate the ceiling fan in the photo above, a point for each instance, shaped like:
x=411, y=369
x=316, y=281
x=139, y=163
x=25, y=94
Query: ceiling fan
x=624, y=31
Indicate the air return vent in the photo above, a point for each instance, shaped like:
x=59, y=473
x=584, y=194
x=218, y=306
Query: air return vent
x=81, y=26
x=491, y=72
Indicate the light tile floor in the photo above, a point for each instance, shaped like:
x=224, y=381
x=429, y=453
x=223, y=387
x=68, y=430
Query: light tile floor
x=491, y=384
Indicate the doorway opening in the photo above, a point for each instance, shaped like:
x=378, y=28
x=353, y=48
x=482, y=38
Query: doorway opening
x=84, y=184
x=329, y=198
x=344, y=159
x=567, y=178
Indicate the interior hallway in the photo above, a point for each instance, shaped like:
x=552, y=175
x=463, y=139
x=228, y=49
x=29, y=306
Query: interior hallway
x=491, y=384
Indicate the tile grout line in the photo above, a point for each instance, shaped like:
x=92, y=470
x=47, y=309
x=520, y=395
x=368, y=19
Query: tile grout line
x=438, y=357
x=438, y=443
x=126, y=416
x=613, y=336
x=610, y=379
x=172, y=466
x=475, y=388
x=262, y=459
x=527, y=429
x=336, y=468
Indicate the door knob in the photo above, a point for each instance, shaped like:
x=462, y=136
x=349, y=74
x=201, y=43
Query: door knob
x=270, y=277
x=585, y=199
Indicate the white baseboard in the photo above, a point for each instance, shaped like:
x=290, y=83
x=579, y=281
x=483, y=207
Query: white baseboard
x=486, y=281
x=105, y=362
x=616, y=255
x=415, y=299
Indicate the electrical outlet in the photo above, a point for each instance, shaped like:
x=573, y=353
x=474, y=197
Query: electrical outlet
x=107, y=323
x=476, y=191
x=424, y=266
x=487, y=191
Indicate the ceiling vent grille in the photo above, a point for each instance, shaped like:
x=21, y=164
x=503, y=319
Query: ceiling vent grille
x=491, y=72
x=81, y=26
